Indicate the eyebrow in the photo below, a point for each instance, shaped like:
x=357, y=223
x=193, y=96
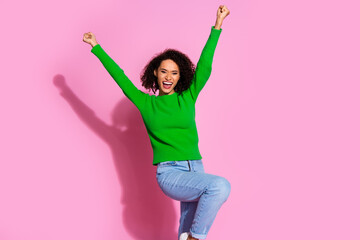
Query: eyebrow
x=166, y=70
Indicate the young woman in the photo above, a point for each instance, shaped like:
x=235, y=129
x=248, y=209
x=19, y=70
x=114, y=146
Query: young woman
x=169, y=119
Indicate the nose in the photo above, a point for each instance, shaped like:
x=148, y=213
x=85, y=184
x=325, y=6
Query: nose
x=168, y=77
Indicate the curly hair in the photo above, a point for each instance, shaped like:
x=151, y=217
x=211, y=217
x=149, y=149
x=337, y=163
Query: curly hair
x=186, y=67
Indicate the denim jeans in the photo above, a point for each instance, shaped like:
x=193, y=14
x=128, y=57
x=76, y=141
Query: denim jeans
x=200, y=194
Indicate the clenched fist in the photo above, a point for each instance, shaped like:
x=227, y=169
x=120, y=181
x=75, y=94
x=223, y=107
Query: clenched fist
x=90, y=39
x=222, y=12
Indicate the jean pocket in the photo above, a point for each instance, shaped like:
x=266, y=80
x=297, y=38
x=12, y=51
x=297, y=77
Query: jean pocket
x=165, y=166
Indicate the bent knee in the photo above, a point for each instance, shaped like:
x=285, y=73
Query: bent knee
x=222, y=187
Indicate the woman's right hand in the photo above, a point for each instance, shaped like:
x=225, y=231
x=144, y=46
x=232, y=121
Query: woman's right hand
x=90, y=39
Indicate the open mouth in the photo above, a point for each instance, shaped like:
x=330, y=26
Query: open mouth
x=167, y=85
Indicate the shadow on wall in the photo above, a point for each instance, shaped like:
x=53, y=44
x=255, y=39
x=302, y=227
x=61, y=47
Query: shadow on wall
x=147, y=213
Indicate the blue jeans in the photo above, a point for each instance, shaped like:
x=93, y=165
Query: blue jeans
x=200, y=194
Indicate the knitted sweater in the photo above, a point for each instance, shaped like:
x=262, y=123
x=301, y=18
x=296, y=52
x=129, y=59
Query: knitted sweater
x=169, y=119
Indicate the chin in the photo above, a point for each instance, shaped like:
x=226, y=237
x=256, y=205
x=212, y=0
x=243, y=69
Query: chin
x=166, y=90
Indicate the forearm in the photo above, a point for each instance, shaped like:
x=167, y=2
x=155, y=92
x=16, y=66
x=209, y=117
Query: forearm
x=116, y=73
x=94, y=43
x=207, y=54
x=218, y=23
x=204, y=65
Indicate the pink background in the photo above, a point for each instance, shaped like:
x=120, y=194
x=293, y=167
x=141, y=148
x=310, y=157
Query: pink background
x=279, y=118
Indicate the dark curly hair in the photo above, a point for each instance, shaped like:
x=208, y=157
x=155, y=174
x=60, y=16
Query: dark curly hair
x=186, y=67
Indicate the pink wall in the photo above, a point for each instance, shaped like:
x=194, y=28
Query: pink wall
x=279, y=118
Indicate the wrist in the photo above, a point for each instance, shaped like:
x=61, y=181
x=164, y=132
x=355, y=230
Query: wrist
x=93, y=44
x=219, y=19
x=218, y=23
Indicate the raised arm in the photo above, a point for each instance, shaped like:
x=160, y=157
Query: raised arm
x=204, y=65
x=130, y=90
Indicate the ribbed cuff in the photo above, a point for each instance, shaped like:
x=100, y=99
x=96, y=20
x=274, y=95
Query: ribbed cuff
x=96, y=48
x=213, y=29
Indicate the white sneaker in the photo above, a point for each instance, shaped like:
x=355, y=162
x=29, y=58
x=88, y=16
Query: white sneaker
x=184, y=236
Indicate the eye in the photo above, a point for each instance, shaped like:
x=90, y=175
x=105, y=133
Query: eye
x=174, y=73
x=163, y=71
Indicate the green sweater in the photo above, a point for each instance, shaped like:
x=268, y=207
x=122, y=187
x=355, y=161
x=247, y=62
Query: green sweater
x=169, y=119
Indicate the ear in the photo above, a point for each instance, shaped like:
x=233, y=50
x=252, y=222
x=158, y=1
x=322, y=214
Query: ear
x=155, y=73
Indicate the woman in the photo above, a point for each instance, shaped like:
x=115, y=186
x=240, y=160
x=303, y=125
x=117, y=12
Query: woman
x=169, y=119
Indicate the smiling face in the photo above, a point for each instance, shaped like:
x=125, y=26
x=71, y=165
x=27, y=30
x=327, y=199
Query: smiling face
x=168, y=74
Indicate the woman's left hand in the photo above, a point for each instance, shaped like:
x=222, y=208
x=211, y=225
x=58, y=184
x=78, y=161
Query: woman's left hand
x=222, y=12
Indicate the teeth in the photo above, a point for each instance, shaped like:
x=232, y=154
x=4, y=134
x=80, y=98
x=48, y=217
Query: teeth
x=167, y=83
